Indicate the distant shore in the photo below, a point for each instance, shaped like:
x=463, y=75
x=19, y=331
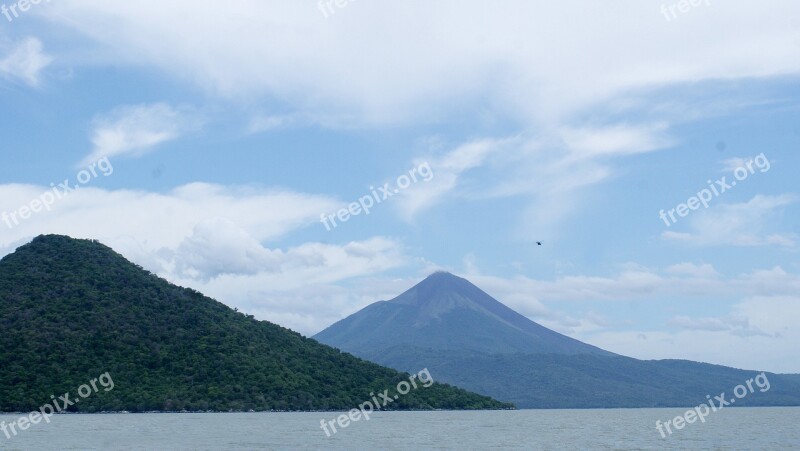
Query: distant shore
x=125, y=412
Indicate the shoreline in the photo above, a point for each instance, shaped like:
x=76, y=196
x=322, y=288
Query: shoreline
x=125, y=412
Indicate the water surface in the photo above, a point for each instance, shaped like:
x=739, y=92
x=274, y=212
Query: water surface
x=729, y=429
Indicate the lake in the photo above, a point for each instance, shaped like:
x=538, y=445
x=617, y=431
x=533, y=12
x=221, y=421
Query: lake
x=740, y=428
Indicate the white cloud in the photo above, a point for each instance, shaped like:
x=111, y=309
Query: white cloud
x=557, y=179
x=304, y=288
x=264, y=123
x=550, y=170
x=759, y=333
x=744, y=224
x=25, y=62
x=312, y=306
x=735, y=325
x=136, y=129
x=162, y=220
x=732, y=164
x=626, y=285
x=680, y=281
x=421, y=60
x=217, y=246
x=543, y=67
x=705, y=270
x=448, y=169
x=623, y=139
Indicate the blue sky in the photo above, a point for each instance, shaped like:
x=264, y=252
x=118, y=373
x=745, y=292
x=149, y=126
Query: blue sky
x=220, y=136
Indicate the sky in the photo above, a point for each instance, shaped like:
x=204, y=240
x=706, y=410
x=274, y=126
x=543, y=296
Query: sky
x=301, y=160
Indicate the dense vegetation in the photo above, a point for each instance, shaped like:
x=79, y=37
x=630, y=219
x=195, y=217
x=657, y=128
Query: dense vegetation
x=71, y=310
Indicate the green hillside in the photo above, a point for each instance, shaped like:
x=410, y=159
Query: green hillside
x=71, y=310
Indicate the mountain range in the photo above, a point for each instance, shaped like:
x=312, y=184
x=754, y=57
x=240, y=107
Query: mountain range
x=471, y=340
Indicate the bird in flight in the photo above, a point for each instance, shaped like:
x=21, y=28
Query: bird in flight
x=539, y=243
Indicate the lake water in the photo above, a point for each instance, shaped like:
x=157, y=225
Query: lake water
x=741, y=428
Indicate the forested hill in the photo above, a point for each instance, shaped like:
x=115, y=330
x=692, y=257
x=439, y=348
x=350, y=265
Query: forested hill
x=71, y=310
